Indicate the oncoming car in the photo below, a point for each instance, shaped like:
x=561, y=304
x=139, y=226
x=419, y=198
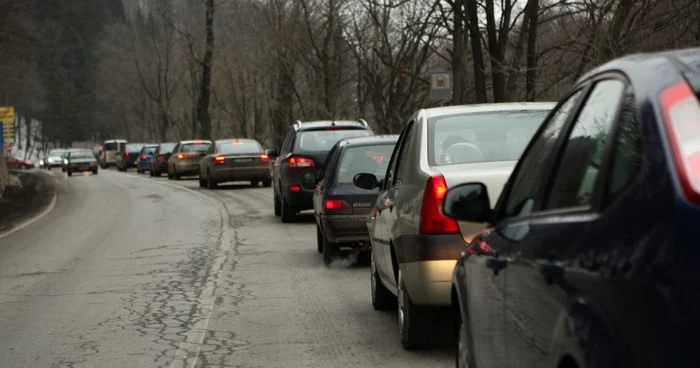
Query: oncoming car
x=230, y=160
x=81, y=161
x=185, y=157
x=341, y=209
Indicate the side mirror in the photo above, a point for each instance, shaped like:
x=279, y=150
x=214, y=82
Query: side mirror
x=272, y=152
x=365, y=181
x=468, y=202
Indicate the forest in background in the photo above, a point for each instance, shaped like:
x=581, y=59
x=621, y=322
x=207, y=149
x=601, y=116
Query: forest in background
x=160, y=70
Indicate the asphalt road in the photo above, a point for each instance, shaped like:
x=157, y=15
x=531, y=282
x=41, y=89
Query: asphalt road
x=133, y=271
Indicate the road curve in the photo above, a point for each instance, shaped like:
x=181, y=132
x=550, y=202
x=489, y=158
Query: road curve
x=133, y=271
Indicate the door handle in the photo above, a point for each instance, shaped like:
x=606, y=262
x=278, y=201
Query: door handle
x=496, y=264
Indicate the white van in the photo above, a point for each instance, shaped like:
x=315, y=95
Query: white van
x=110, y=150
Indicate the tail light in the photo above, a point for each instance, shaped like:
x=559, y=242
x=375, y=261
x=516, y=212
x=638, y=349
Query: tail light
x=295, y=188
x=298, y=163
x=126, y=154
x=144, y=158
x=681, y=112
x=264, y=158
x=336, y=204
x=161, y=158
x=182, y=156
x=432, y=221
x=219, y=160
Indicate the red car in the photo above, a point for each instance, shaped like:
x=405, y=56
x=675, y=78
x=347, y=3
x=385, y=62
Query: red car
x=15, y=163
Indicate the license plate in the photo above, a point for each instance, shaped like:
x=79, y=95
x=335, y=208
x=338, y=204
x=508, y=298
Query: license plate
x=243, y=160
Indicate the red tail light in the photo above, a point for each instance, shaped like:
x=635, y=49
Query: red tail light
x=219, y=159
x=298, y=163
x=144, y=158
x=161, y=158
x=335, y=204
x=264, y=158
x=126, y=154
x=432, y=221
x=681, y=112
x=182, y=156
x=295, y=188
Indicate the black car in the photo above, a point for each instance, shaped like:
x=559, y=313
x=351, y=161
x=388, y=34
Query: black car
x=341, y=209
x=303, y=152
x=591, y=255
x=81, y=161
x=127, y=159
x=159, y=159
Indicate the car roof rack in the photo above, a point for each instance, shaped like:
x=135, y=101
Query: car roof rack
x=364, y=122
x=297, y=125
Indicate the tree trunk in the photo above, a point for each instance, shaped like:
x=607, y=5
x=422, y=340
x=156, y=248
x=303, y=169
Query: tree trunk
x=533, y=7
x=458, y=70
x=477, y=52
x=514, y=74
x=496, y=53
x=28, y=140
x=205, y=87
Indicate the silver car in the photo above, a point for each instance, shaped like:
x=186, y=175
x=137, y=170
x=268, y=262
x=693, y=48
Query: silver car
x=414, y=245
x=235, y=160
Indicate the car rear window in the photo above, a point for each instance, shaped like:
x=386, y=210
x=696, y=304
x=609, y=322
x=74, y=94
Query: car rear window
x=136, y=147
x=323, y=140
x=191, y=147
x=363, y=159
x=149, y=149
x=234, y=147
x=167, y=147
x=111, y=146
x=81, y=155
x=481, y=137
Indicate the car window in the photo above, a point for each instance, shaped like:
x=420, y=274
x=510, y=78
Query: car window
x=402, y=168
x=481, y=137
x=395, y=155
x=363, y=159
x=330, y=162
x=580, y=163
x=166, y=147
x=531, y=171
x=134, y=147
x=149, y=150
x=323, y=140
x=626, y=156
x=287, y=141
x=111, y=146
x=193, y=147
x=81, y=155
x=239, y=147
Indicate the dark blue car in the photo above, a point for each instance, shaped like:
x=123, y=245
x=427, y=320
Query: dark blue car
x=143, y=162
x=591, y=257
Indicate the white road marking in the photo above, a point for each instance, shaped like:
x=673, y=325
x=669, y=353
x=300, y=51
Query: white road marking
x=31, y=220
x=187, y=353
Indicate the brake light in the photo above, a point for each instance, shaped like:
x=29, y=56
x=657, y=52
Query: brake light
x=237, y=142
x=143, y=157
x=197, y=142
x=219, y=159
x=432, y=221
x=681, y=111
x=298, y=163
x=182, y=155
x=161, y=158
x=335, y=204
x=264, y=158
x=126, y=154
x=295, y=188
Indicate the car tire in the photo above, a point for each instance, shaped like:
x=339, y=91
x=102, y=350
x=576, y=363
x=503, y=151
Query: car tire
x=254, y=183
x=278, y=206
x=267, y=183
x=319, y=239
x=413, y=319
x=176, y=176
x=287, y=214
x=331, y=251
x=202, y=182
x=462, y=355
x=151, y=173
x=70, y=173
x=211, y=184
x=382, y=298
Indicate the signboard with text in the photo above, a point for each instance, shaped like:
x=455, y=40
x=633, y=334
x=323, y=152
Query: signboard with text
x=7, y=116
x=441, y=85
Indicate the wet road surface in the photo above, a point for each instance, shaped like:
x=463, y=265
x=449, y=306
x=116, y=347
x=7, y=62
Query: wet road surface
x=133, y=271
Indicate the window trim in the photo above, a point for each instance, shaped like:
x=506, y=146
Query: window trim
x=596, y=199
x=391, y=168
x=410, y=130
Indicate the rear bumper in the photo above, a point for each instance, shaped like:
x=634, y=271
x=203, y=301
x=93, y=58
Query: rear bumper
x=303, y=199
x=427, y=263
x=82, y=168
x=224, y=174
x=345, y=228
x=144, y=165
x=187, y=168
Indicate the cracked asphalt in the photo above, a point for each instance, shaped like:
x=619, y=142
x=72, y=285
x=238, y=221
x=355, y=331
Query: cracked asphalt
x=133, y=271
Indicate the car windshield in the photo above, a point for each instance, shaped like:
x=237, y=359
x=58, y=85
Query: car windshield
x=242, y=147
x=135, y=147
x=85, y=154
x=364, y=159
x=323, y=140
x=481, y=137
x=149, y=149
x=166, y=147
x=56, y=153
x=193, y=147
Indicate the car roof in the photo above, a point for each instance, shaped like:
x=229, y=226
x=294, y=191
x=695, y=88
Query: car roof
x=249, y=140
x=190, y=141
x=162, y=143
x=311, y=125
x=370, y=140
x=115, y=140
x=488, y=107
x=690, y=58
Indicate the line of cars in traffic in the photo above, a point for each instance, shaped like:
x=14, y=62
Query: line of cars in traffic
x=557, y=234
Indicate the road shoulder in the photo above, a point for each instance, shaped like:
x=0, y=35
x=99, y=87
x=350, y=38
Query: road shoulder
x=22, y=205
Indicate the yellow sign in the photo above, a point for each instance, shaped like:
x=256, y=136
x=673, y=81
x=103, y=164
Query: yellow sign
x=7, y=115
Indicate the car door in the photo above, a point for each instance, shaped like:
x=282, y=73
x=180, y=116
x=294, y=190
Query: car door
x=12, y=162
x=544, y=236
x=323, y=176
x=389, y=215
x=173, y=157
x=206, y=161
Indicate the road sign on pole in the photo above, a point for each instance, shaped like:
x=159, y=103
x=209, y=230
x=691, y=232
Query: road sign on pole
x=7, y=115
x=441, y=85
